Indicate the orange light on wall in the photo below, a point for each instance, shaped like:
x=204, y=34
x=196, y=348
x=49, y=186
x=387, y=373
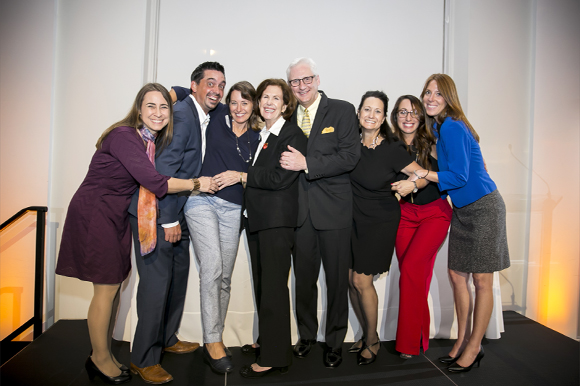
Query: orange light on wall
x=17, y=253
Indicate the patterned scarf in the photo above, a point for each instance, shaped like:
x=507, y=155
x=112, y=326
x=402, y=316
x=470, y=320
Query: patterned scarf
x=147, y=206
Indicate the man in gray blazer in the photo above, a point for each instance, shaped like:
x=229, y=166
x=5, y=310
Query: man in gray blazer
x=324, y=209
x=163, y=274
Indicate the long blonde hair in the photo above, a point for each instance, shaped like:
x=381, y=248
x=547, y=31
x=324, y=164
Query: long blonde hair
x=447, y=88
x=133, y=119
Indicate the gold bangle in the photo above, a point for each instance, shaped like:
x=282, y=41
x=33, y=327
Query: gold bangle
x=196, y=184
x=241, y=178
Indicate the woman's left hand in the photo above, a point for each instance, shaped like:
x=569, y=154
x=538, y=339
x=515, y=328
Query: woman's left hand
x=403, y=187
x=227, y=178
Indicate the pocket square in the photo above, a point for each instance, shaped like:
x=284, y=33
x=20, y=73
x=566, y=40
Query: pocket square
x=328, y=130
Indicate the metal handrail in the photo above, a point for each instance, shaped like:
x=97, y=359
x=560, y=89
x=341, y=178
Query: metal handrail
x=36, y=320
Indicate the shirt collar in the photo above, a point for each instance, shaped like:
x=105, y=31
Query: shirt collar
x=313, y=107
x=200, y=113
x=276, y=127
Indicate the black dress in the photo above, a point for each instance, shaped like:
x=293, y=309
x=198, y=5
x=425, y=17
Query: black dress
x=376, y=211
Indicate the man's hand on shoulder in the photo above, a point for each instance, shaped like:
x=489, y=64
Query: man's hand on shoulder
x=293, y=160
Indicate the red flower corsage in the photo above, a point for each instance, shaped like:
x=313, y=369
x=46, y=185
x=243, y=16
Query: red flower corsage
x=265, y=146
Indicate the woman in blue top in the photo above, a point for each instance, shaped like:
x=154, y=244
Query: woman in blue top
x=477, y=240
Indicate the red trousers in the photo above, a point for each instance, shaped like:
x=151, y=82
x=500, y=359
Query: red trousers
x=422, y=230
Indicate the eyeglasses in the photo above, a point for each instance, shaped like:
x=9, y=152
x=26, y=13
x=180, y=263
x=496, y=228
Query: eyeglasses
x=305, y=80
x=403, y=113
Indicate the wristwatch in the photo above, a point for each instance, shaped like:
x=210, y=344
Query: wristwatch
x=416, y=188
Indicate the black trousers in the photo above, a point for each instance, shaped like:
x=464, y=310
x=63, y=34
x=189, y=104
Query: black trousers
x=163, y=276
x=271, y=254
x=332, y=248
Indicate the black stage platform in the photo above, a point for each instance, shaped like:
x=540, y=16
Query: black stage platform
x=527, y=354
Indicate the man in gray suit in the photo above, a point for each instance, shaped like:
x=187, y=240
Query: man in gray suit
x=325, y=207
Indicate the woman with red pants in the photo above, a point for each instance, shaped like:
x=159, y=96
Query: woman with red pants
x=425, y=219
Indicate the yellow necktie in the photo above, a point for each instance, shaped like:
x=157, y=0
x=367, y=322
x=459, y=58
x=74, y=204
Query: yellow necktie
x=306, y=125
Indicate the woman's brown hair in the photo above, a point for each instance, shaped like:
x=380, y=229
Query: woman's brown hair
x=249, y=93
x=133, y=119
x=287, y=97
x=448, y=91
x=423, y=139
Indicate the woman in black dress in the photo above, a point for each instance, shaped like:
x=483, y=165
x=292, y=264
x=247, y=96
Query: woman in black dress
x=376, y=214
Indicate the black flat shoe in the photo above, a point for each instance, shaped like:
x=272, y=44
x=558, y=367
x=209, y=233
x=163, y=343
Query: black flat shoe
x=362, y=361
x=303, y=347
x=248, y=372
x=249, y=349
x=354, y=349
x=332, y=357
x=220, y=366
x=122, y=367
x=448, y=360
x=460, y=369
x=93, y=371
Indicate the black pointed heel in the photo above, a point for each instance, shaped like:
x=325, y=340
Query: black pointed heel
x=123, y=368
x=248, y=372
x=367, y=361
x=460, y=369
x=93, y=371
x=448, y=360
x=354, y=349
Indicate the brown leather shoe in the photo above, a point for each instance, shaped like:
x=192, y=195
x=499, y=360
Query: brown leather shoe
x=152, y=374
x=182, y=347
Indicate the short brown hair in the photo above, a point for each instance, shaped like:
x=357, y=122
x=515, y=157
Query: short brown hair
x=288, y=98
x=249, y=93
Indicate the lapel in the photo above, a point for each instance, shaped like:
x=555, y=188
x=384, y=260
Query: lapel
x=191, y=105
x=320, y=114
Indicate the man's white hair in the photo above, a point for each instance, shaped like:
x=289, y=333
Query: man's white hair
x=299, y=61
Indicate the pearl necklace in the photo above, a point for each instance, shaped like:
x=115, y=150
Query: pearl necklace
x=374, y=144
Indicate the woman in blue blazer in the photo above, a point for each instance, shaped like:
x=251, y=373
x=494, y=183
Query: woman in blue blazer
x=477, y=240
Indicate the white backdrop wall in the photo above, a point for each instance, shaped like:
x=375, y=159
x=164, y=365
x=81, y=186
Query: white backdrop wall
x=99, y=64
x=97, y=68
x=360, y=47
x=26, y=72
x=553, y=286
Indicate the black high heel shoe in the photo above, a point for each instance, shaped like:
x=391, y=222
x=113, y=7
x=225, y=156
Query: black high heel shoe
x=460, y=369
x=367, y=361
x=93, y=370
x=248, y=372
x=123, y=368
x=221, y=366
x=355, y=350
x=448, y=360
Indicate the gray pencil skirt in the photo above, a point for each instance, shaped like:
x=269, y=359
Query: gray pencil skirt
x=478, y=239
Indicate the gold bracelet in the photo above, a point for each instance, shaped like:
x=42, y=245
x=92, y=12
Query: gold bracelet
x=196, y=184
x=241, y=178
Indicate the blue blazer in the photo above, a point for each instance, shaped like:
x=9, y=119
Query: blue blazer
x=181, y=159
x=462, y=172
